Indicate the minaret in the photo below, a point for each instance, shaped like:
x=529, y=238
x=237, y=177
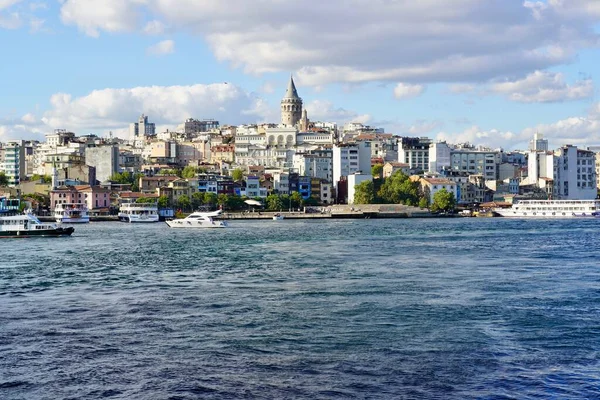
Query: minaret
x=291, y=105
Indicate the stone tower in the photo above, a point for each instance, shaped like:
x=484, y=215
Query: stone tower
x=291, y=105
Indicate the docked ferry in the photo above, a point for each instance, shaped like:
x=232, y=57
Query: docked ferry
x=552, y=209
x=28, y=225
x=138, y=212
x=71, y=213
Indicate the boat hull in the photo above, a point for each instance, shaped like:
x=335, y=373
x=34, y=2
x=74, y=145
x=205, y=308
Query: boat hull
x=38, y=233
x=136, y=219
x=67, y=220
x=182, y=224
x=544, y=215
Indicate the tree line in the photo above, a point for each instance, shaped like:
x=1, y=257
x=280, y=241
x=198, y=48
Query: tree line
x=400, y=189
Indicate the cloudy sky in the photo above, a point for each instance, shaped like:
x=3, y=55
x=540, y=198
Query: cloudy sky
x=490, y=72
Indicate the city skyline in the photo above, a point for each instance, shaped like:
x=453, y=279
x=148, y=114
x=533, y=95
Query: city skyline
x=490, y=74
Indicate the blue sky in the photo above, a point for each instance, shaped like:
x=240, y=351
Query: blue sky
x=489, y=72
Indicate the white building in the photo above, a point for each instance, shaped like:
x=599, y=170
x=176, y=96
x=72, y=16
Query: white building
x=349, y=159
x=439, y=156
x=431, y=186
x=540, y=164
x=538, y=143
x=142, y=128
x=575, y=174
x=414, y=152
x=476, y=161
x=13, y=164
x=281, y=137
x=316, y=164
x=281, y=182
x=356, y=179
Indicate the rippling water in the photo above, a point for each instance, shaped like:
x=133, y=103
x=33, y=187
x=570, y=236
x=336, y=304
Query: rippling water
x=454, y=308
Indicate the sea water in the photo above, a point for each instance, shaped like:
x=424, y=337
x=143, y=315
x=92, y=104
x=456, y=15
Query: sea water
x=404, y=309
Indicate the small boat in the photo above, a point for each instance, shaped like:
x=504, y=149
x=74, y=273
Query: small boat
x=198, y=220
x=28, y=225
x=138, y=212
x=71, y=213
x=277, y=217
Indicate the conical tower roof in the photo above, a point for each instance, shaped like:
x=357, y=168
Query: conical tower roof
x=291, y=92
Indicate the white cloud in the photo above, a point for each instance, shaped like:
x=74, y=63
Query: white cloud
x=38, y=6
x=165, y=105
x=544, y=87
x=355, y=41
x=11, y=21
x=320, y=110
x=407, y=91
x=154, y=28
x=4, y=4
x=162, y=48
x=475, y=135
x=36, y=24
x=107, y=15
x=460, y=88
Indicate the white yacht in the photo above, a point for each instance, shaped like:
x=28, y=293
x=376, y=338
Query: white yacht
x=28, y=225
x=71, y=213
x=551, y=209
x=198, y=220
x=138, y=212
x=278, y=217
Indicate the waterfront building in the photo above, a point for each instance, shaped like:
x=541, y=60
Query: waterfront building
x=430, y=186
x=574, y=174
x=414, y=152
x=96, y=198
x=350, y=158
x=281, y=182
x=476, y=161
x=356, y=179
x=304, y=186
x=321, y=191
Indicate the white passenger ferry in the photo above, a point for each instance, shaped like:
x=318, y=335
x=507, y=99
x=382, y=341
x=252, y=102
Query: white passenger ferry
x=71, y=213
x=198, y=220
x=28, y=225
x=138, y=212
x=551, y=209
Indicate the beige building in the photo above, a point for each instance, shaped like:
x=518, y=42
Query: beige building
x=391, y=167
x=430, y=186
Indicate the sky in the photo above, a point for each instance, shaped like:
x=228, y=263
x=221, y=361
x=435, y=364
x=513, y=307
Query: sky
x=487, y=72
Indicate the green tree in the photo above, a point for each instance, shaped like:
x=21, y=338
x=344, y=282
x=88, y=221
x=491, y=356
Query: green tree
x=443, y=200
x=43, y=178
x=3, y=179
x=184, y=202
x=237, y=174
x=197, y=199
x=364, y=193
x=135, y=186
x=163, y=202
x=296, y=200
x=235, y=203
x=189, y=172
x=311, y=201
x=222, y=200
x=274, y=202
x=423, y=202
x=399, y=189
x=122, y=178
x=210, y=199
x=144, y=200
x=377, y=170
